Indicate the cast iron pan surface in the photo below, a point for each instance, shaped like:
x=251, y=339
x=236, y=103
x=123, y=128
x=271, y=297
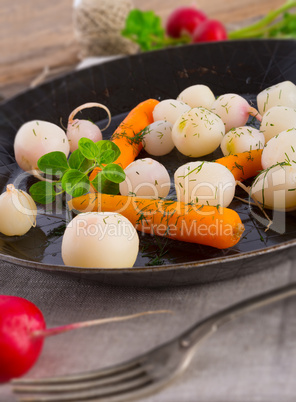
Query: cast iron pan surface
x=242, y=67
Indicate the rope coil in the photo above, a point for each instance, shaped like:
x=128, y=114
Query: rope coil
x=98, y=25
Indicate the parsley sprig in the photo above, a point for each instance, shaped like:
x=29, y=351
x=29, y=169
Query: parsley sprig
x=72, y=175
x=145, y=28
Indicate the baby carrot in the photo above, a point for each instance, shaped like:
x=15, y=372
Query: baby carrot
x=243, y=165
x=127, y=137
x=212, y=226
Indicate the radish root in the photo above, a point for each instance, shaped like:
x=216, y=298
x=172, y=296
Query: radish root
x=36, y=173
x=66, y=328
x=254, y=112
x=247, y=190
x=90, y=105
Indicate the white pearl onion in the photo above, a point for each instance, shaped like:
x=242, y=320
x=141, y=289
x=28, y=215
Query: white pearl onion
x=17, y=212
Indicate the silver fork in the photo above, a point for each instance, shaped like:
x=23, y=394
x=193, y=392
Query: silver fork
x=146, y=374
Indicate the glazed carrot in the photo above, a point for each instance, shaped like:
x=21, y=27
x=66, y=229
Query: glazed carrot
x=243, y=165
x=133, y=124
x=212, y=226
x=125, y=136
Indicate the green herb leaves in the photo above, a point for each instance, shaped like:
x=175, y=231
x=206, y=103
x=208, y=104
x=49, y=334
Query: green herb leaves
x=278, y=23
x=54, y=163
x=78, y=161
x=88, y=148
x=145, y=28
x=113, y=173
x=109, y=152
x=43, y=192
x=75, y=183
x=72, y=176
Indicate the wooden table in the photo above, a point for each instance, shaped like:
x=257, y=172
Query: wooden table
x=36, y=35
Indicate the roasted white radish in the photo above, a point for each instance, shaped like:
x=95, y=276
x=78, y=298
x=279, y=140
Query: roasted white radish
x=100, y=240
x=275, y=188
x=79, y=128
x=276, y=120
x=35, y=139
x=204, y=183
x=146, y=178
x=234, y=110
x=281, y=148
x=169, y=110
x=197, y=96
x=157, y=138
x=242, y=139
x=282, y=94
x=198, y=132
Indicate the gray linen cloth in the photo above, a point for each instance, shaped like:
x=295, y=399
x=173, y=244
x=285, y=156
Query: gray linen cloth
x=251, y=359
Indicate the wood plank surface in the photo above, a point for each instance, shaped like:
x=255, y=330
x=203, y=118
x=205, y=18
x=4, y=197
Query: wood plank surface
x=37, y=35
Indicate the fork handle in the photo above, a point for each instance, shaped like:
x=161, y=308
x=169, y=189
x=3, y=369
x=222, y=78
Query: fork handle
x=192, y=337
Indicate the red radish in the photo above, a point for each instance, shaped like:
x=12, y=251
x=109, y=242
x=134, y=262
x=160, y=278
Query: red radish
x=184, y=19
x=22, y=332
x=208, y=31
x=19, y=349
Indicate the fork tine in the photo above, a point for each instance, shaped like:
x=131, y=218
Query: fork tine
x=88, y=376
x=116, y=392
x=80, y=385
